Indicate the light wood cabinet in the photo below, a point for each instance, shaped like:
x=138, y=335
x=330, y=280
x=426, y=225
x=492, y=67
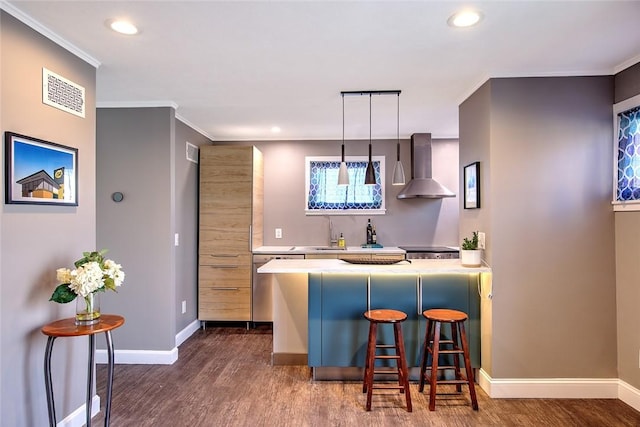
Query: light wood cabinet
x=230, y=226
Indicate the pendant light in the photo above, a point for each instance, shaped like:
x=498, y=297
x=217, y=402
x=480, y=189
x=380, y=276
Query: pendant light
x=343, y=173
x=370, y=175
x=398, y=170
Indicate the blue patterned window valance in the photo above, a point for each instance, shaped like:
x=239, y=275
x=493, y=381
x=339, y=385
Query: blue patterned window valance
x=628, y=186
x=324, y=194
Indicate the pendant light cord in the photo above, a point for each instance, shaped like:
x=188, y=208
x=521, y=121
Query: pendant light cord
x=398, y=129
x=343, y=121
x=369, y=127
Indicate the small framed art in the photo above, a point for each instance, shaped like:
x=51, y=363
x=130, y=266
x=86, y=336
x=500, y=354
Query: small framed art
x=39, y=172
x=472, y=186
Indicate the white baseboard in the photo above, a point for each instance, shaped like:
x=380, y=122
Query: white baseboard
x=140, y=357
x=564, y=388
x=187, y=332
x=78, y=417
x=150, y=357
x=629, y=395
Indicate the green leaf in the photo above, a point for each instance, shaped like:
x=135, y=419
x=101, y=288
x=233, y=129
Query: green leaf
x=63, y=294
x=109, y=283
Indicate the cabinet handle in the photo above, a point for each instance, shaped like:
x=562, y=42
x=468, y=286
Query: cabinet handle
x=250, y=238
x=226, y=289
x=223, y=266
x=224, y=255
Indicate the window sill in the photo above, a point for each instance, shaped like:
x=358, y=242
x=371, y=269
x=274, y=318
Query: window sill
x=626, y=206
x=350, y=212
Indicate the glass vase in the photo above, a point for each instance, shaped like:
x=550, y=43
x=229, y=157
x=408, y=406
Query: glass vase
x=88, y=309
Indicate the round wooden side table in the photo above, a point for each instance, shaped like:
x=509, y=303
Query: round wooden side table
x=68, y=328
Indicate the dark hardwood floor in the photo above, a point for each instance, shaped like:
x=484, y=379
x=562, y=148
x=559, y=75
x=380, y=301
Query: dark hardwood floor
x=223, y=378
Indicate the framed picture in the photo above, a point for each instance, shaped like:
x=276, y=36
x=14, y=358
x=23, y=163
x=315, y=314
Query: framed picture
x=39, y=172
x=472, y=186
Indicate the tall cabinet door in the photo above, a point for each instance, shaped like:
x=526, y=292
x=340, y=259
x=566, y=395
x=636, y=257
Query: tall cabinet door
x=230, y=184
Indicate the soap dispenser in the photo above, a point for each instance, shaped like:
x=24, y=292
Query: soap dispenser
x=341, y=242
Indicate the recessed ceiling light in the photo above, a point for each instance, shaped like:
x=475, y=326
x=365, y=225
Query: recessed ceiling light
x=122, y=27
x=466, y=18
x=275, y=129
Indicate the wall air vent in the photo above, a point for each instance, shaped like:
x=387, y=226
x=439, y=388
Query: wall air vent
x=192, y=152
x=61, y=93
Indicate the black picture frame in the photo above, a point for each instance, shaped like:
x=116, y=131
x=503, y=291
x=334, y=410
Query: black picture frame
x=39, y=172
x=471, y=180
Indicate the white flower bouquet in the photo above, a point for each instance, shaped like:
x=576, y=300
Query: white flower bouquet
x=93, y=273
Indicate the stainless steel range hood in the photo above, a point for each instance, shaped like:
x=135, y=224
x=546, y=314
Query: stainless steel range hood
x=422, y=185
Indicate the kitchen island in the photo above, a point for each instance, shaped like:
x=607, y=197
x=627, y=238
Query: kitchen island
x=318, y=307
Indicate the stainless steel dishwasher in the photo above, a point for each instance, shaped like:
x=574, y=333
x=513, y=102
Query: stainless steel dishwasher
x=262, y=284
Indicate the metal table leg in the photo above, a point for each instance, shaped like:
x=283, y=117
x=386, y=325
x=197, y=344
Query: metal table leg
x=107, y=411
x=92, y=349
x=51, y=406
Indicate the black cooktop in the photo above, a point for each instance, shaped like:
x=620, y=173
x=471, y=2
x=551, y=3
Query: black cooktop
x=428, y=249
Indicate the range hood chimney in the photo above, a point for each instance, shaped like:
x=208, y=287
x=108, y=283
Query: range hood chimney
x=422, y=185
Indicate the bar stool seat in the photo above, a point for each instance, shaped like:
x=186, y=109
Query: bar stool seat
x=396, y=318
x=456, y=346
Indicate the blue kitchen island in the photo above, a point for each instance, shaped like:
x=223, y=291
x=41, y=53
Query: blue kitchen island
x=319, y=305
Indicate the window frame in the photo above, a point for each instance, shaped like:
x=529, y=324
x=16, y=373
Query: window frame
x=620, y=107
x=307, y=178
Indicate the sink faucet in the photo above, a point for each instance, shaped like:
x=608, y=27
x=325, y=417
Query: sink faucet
x=333, y=239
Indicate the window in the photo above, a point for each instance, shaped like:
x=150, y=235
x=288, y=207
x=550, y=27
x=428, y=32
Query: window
x=627, y=155
x=324, y=196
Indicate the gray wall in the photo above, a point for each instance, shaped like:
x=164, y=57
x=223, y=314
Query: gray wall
x=186, y=225
x=627, y=83
x=36, y=240
x=160, y=187
x=627, y=250
x=135, y=149
x=551, y=241
x=408, y=222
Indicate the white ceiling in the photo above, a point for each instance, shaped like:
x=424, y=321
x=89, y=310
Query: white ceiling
x=235, y=69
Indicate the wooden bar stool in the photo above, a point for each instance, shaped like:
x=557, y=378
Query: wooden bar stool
x=456, y=346
x=396, y=318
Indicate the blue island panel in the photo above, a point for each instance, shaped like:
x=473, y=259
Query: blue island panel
x=338, y=330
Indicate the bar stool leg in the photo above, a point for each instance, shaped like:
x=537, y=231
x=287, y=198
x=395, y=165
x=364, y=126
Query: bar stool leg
x=403, y=372
x=425, y=354
x=434, y=367
x=468, y=368
x=366, y=358
x=456, y=357
x=373, y=328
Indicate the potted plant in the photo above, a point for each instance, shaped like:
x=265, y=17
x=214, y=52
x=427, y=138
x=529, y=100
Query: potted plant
x=470, y=255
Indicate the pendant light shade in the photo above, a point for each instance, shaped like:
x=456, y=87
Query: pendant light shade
x=370, y=175
x=398, y=170
x=343, y=173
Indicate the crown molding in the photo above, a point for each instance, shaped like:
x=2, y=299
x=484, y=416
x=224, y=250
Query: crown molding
x=626, y=64
x=36, y=26
x=136, y=104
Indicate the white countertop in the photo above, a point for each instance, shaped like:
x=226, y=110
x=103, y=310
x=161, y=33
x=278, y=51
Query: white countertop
x=312, y=249
x=416, y=266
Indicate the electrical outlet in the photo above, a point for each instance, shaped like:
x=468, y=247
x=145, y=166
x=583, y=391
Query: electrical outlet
x=278, y=233
x=481, y=240
x=184, y=307
x=176, y=239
